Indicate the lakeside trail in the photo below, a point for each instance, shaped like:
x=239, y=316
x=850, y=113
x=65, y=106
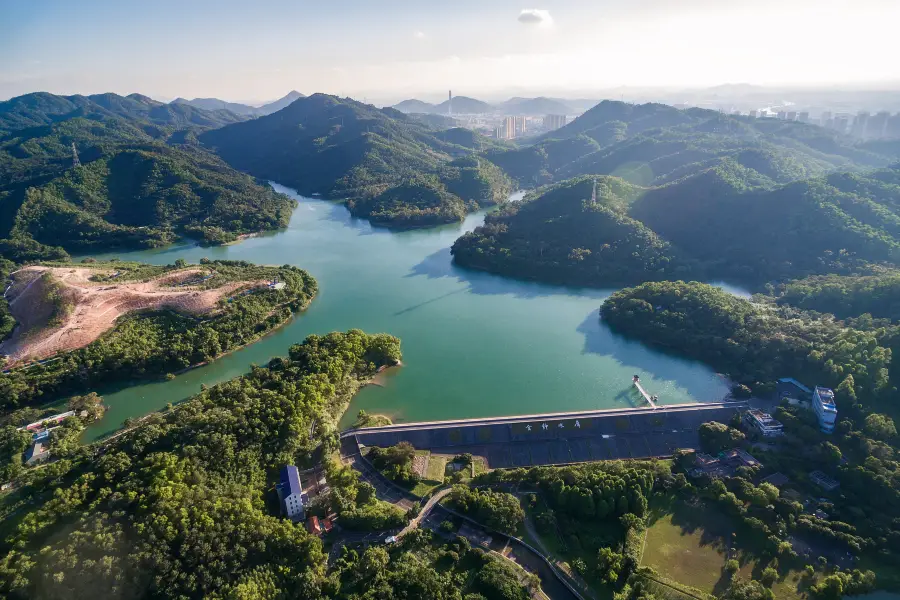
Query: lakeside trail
x=87, y=309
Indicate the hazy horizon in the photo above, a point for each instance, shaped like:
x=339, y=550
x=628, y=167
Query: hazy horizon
x=395, y=50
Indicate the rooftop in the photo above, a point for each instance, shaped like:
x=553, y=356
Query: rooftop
x=290, y=480
x=826, y=397
x=794, y=382
x=764, y=418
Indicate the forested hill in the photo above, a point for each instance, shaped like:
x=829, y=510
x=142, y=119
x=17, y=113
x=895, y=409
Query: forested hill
x=755, y=343
x=42, y=108
x=390, y=167
x=653, y=144
x=179, y=508
x=142, y=180
x=727, y=222
x=558, y=235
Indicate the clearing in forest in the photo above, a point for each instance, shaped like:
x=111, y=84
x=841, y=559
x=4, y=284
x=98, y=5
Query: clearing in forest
x=60, y=309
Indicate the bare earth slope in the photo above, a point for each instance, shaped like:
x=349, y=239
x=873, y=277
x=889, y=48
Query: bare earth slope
x=91, y=307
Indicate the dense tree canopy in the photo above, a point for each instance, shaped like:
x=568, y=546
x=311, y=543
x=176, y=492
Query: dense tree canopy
x=181, y=506
x=392, y=168
x=753, y=343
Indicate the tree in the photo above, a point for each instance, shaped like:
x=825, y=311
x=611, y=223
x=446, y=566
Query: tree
x=715, y=437
x=769, y=576
x=880, y=427
x=609, y=565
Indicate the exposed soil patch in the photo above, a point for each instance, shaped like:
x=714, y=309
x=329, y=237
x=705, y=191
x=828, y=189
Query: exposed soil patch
x=420, y=465
x=93, y=307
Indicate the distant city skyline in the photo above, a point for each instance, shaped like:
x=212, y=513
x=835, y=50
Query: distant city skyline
x=399, y=49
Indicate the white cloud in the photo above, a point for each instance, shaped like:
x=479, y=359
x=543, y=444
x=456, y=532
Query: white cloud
x=419, y=35
x=535, y=16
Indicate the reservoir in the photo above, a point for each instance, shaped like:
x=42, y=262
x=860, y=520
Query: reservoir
x=474, y=344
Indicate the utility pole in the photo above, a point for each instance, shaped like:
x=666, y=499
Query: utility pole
x=75, y=162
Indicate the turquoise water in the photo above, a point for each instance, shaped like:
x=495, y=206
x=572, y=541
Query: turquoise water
x=473, y=344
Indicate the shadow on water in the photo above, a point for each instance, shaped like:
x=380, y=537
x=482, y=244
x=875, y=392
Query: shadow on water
x=600, y=340
x=440, y=265
x=421, y=304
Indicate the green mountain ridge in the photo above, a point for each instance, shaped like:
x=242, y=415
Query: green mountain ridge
x=653, y=144
x=143, y=179
x=728, y=222
x=382, y=162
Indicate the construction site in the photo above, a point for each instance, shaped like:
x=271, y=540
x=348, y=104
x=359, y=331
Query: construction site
x=60, y=309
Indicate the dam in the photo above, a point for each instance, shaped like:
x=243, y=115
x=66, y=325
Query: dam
x=557, y=438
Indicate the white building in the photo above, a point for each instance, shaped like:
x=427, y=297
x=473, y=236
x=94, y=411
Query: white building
x=763, y=423
x=826, y=410
x=290, y=492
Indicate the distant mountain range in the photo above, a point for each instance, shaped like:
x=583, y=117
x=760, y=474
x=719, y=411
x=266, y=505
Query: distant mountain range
x=241, y=109
x=43, y=108
x=513, y=106
x=536, y=106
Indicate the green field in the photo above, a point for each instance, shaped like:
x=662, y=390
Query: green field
x=689, y=545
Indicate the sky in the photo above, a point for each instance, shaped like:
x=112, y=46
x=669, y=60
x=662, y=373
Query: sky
x=393, y=49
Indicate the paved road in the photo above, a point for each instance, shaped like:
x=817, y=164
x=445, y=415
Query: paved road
x=583, y=414
x=426, y=510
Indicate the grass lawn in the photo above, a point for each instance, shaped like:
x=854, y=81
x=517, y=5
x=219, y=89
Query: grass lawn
x=437, y=464
x=689, y=545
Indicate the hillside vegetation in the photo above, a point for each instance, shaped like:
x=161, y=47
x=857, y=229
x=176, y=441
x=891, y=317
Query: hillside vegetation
x=150, y=344
x=396, y=170
x=142, y=179
x=754, y=343
x=179, y=507
x=654, y=144
x=726, y=222
x=558, y=235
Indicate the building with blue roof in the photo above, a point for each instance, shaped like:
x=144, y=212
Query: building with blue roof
x=290, y=493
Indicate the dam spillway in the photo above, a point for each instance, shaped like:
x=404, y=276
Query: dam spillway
x=558, y=438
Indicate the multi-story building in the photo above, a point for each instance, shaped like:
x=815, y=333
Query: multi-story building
x=509, y=128
x=290, y=493
x=893, y=127
x=763, y=423
x=498, y=132
x=876, y=128
x=754, y=113
x=552, y=122
x=803, y=117
x=520, y=126
x=840, y=123
x=860, y=124
x=792, y=115
x=825, y=408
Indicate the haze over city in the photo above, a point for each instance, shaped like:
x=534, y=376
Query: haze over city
x=391, y=50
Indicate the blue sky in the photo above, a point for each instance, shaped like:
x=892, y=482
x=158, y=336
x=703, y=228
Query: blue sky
x=391, y=49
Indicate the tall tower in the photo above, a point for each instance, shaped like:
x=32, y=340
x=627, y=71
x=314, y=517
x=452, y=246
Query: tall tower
x=450, y=104
x=594, y=200
x=75, y=161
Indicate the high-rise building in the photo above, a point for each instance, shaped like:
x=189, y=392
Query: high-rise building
x=893, y=126
x=803, y=117
x=498, y=132
x=509, y=128
x=791, y=115
x=520, y=126
x=860, y=123
x=841, y=122
x=876, y=128
x=552, y=122
x=754, y=113
x=782, y=115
